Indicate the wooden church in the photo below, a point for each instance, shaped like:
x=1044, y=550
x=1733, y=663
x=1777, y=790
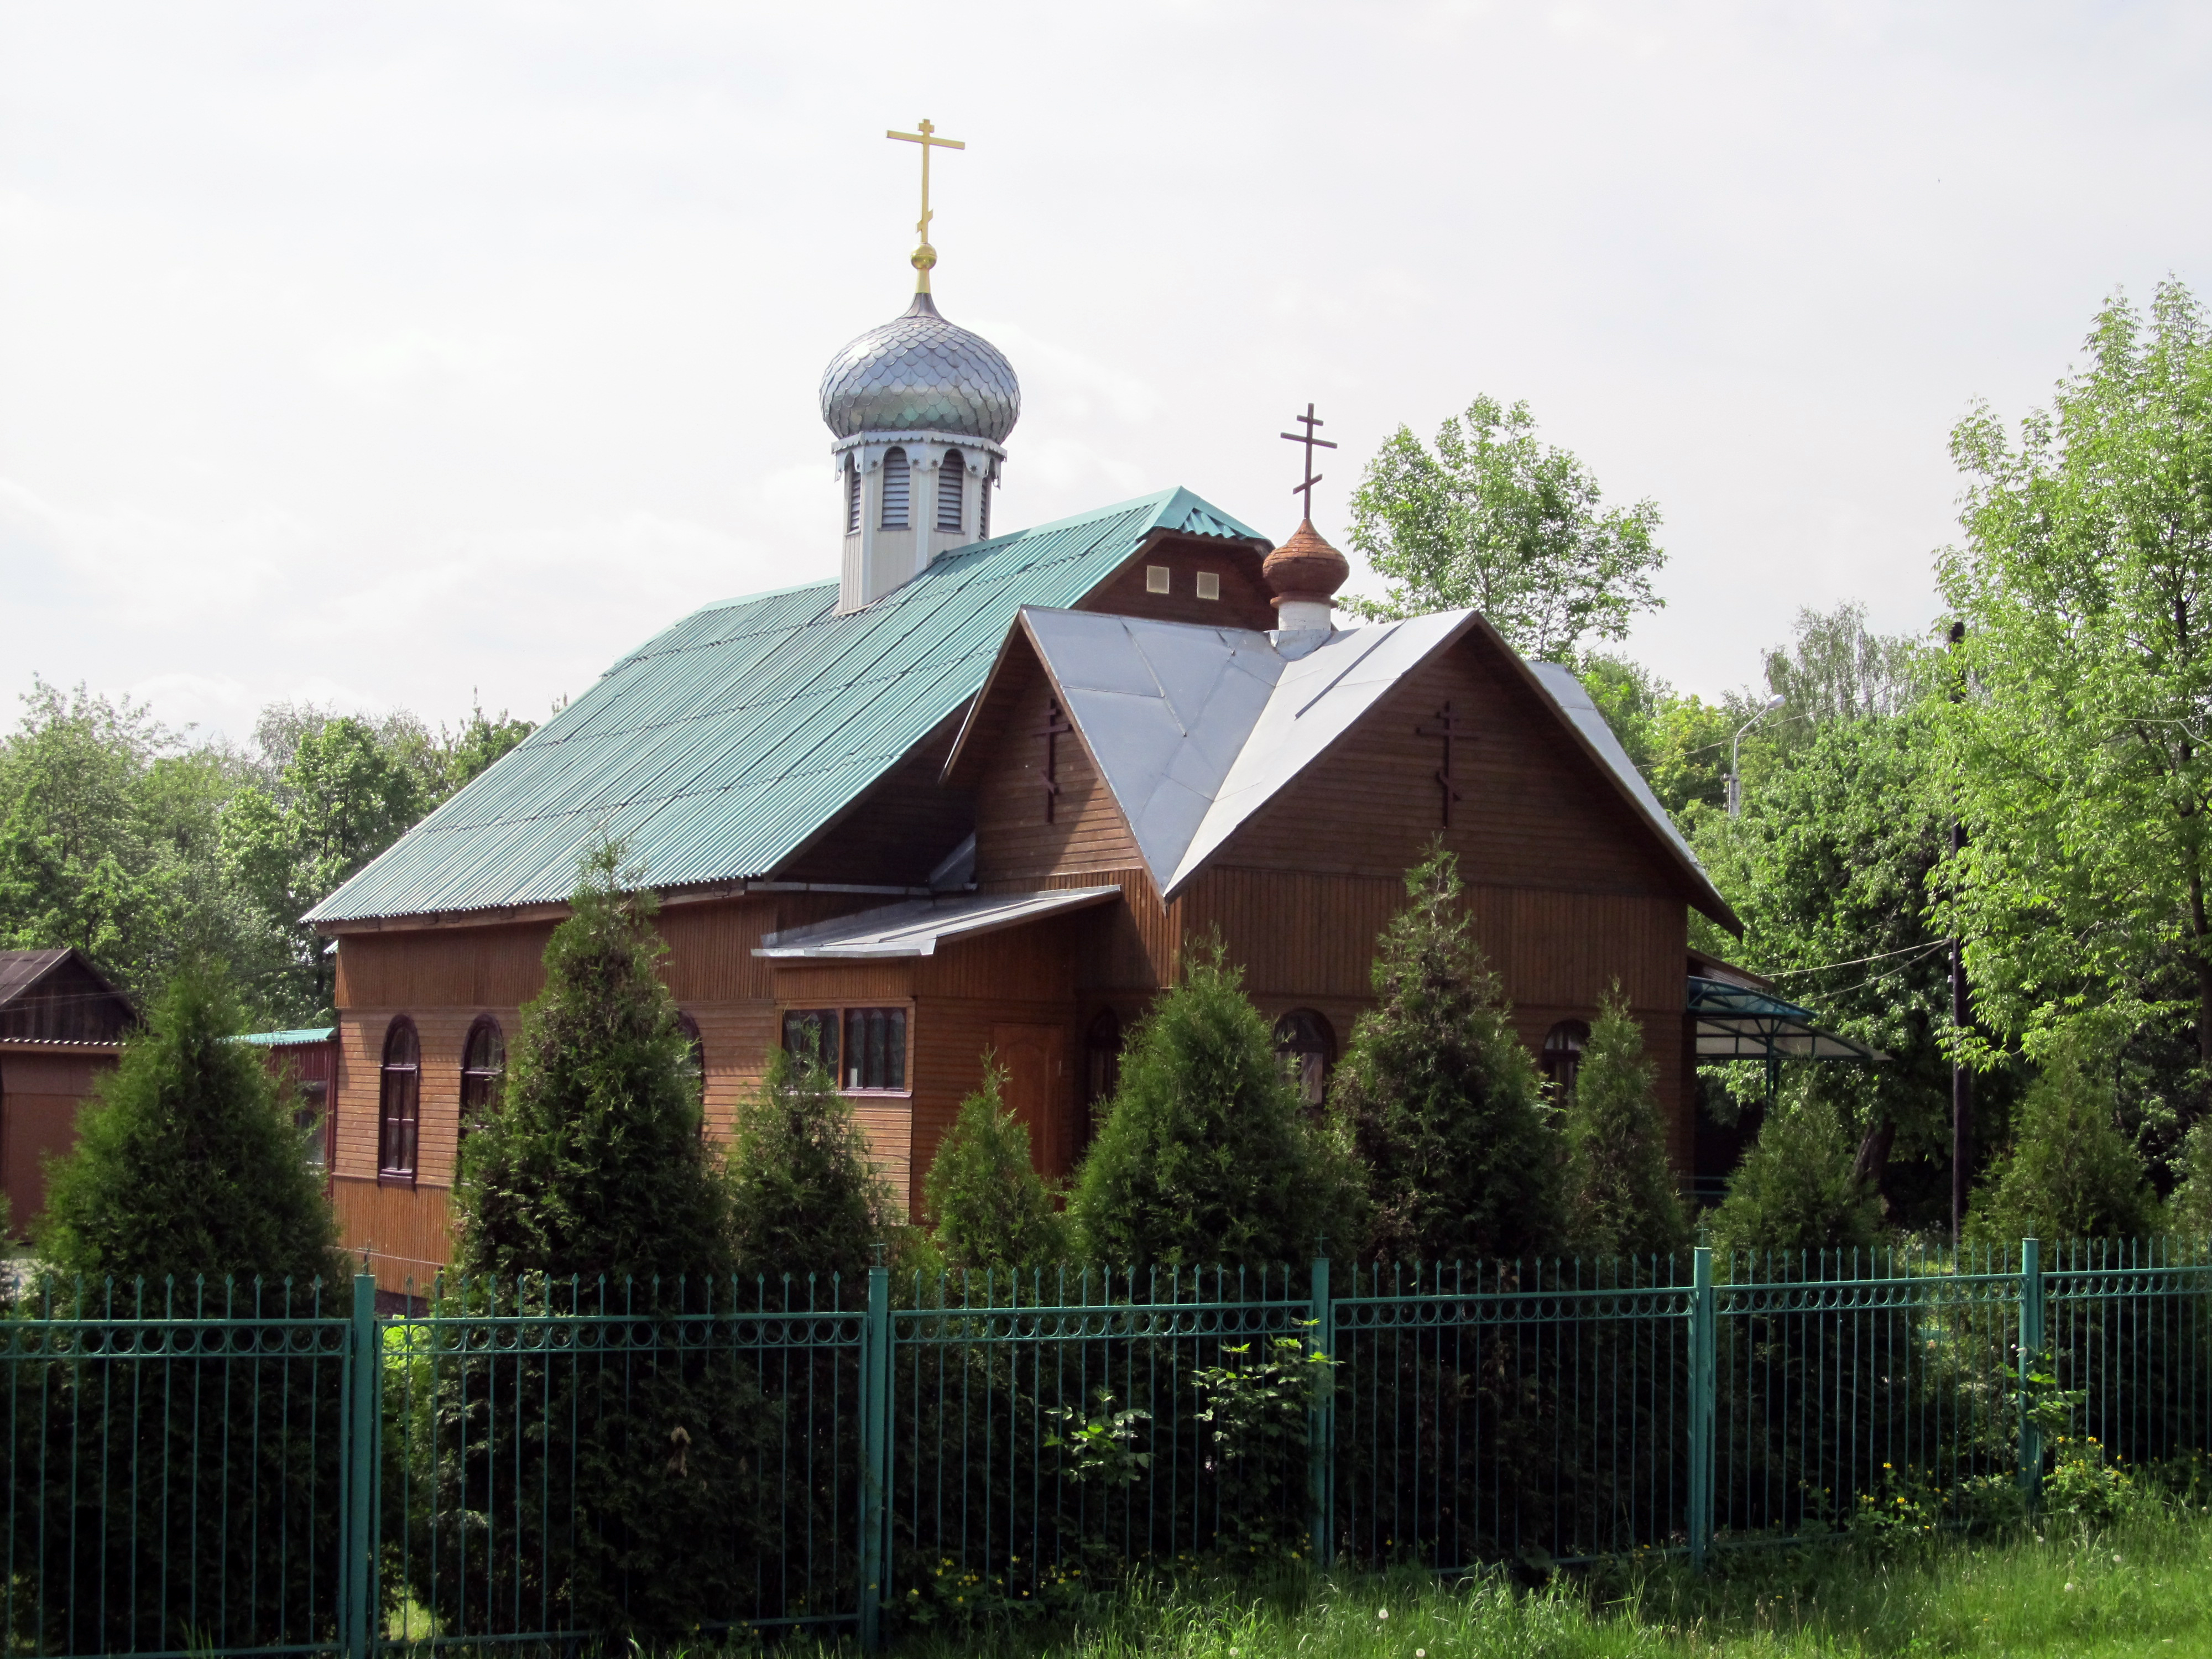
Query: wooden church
x=982, y=794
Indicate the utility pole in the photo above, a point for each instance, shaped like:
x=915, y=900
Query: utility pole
x=1962, y=1077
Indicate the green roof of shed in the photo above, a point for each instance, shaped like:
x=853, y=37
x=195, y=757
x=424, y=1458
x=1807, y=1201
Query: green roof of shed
x=715, y=749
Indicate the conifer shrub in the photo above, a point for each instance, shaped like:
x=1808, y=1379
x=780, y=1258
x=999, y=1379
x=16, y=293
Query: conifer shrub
x=2069, y=1173
x=1621, y=1194
x=1798, y=1189
x=592, y=1191
x=807, y=1198
x=1440, y=1098
x=1207, y=1157
x=188, y=1193
x=188, y=1162
x=992, y=1208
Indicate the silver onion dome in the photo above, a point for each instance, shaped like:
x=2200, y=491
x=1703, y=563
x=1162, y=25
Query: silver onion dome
x=920, y=373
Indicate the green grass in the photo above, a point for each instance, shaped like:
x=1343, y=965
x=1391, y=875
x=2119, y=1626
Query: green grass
x=2143, y=1588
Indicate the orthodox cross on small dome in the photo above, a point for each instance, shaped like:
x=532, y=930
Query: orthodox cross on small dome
x=1312, y=443
x=925, y=256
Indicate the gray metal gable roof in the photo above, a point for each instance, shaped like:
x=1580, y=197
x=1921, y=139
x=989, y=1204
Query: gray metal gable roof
x=716, y=749
x=1195, y=728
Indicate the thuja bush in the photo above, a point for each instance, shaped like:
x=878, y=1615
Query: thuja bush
x=806, y=1196
x=181, y=1502
x=2069, y=1173
x=1440, y=1098
x=632, y=1470
x=992, y=1209
x=1798, y=1188
x=1207, y=1156
x=1621, y=1194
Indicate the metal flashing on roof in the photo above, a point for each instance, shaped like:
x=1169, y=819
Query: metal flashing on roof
x=1734, y=1022
x=917, y=929
x=722, y=746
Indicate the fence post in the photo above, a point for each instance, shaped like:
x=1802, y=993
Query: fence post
x=1703, y=1345
x=357, y=1556
x=2030, y=1352
x=875, y=1452
x=1321, y=1416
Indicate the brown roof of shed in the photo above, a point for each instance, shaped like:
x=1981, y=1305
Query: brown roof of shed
x=21, y=969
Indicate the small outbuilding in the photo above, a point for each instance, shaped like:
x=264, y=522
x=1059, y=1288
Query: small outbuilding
x=62, y=1025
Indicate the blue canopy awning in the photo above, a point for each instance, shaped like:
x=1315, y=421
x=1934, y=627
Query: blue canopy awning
x=1734, y=1021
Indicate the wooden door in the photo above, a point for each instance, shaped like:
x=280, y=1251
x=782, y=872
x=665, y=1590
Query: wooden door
x=1035, y=1058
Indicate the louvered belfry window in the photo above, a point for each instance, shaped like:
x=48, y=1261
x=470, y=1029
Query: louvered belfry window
x=853, y=498
x=895, y=490
x=983, y=509
x=951, y=481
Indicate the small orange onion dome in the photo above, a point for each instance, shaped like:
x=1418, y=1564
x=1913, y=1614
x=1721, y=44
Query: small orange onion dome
x=1305, y=569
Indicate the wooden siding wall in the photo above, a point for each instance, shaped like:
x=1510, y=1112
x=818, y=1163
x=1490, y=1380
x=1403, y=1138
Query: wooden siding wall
x=901, y=828
x=1245, y=601
x=41, y=1094
x=443, y=978
x=1086, y=830
x=69, y=1005
x=1022, y=976
x=1534, y=811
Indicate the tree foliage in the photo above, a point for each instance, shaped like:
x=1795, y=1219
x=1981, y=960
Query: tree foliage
x=1828, y=865
x=1621, y=1191
x=1439, y=1097
x=2079, y=759
x=992, y=1208
x=1206, y=1155
x=1496, y=520
x=2069, y=1173
x=807, y=1195
x=594, y=1163
x=188, y=1162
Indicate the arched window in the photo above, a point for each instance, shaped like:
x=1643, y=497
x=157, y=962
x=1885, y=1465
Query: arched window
x=1563, y=1057
x=951, y=490
x=483, y=1066
x=1101, y=1061
x=853, y=496
x=895, y=490
x=1307, y=1049
x=399, y=1105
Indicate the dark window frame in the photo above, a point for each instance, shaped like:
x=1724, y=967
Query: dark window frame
x=399, y=1105
x=1305, y=1042
x=482, y=1084
x=1561, y=1059
x=838, y=1062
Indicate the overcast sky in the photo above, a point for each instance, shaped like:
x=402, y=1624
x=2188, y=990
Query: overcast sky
x=382, y=353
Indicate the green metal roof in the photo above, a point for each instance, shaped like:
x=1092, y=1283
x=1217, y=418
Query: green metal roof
x=714, y=751
x=293, y=1039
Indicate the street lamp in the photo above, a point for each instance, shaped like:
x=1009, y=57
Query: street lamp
x=1736, y=767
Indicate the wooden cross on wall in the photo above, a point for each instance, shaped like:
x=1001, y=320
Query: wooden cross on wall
x=1447, y=727
x=1055, y=728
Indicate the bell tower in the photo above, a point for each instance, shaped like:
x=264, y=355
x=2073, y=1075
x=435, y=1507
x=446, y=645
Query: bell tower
x=919, y=409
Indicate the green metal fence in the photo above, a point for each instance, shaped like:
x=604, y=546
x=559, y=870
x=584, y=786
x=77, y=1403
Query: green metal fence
x=251, y=1468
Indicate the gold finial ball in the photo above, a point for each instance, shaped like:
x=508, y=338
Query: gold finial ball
x=924, y=257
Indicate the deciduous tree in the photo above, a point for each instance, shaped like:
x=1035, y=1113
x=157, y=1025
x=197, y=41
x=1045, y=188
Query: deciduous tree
x=1496, y=520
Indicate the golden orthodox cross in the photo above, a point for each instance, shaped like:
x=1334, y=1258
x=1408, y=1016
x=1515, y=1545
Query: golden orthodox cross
x=1312, y=443
x=1447, y=727
x=1055, y=728
x=925, y=256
